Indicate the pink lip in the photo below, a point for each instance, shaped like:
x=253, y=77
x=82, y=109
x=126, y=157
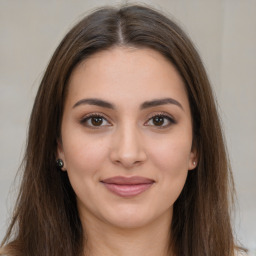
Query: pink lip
x=127, y=186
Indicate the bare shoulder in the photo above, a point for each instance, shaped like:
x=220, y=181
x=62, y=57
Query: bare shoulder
x=241, y=253
x=3, y=252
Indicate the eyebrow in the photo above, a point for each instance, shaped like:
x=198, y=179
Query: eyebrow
x=159, y=102
x=146, y=104
x=96, y=102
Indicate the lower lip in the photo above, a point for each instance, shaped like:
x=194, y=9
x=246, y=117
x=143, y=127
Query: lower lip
x=127, y=190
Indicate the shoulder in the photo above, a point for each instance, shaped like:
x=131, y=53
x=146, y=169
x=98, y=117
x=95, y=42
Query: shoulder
x=241, y=253
x=3, y=252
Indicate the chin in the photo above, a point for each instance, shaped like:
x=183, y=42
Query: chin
x=129, y=217
x=132, y=222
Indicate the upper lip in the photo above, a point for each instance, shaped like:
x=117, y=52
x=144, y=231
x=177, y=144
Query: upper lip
x=121, y=180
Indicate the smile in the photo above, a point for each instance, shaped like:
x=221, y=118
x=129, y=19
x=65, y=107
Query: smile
x=127, y=186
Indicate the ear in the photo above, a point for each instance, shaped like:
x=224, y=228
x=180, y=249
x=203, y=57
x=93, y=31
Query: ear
x=60, y=154
x=193, y=159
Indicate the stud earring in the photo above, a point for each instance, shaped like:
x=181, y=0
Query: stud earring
x=59, y=163
x=194, y=163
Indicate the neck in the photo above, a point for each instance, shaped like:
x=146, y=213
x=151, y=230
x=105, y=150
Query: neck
x=105, y=239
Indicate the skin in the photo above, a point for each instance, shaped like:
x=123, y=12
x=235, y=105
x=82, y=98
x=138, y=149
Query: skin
x=127, y=142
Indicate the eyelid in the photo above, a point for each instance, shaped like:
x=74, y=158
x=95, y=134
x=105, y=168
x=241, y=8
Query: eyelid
x=86, y=117
x=163, y=114
x=95, y=114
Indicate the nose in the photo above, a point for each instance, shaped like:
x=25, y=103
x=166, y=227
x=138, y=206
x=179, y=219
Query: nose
x=128, y=149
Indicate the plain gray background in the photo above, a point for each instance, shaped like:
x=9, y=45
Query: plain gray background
x=224, y=33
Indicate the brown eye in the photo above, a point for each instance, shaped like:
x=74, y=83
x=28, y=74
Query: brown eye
x=95, y=121
x=161, y=121
x=158, y=120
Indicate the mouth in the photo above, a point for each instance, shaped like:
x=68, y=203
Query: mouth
x=127, y=186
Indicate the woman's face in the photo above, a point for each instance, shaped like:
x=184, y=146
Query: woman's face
x=126, y=137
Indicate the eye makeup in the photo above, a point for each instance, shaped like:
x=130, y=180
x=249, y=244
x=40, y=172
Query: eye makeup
x=160, y=120
x=95, y=121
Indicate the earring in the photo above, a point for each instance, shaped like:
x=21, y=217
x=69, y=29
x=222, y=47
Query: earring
x=194, y=163
x=59, y=163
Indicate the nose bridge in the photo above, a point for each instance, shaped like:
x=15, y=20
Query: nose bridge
x=127, y=145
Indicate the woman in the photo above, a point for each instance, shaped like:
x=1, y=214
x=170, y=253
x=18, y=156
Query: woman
x=126, y=111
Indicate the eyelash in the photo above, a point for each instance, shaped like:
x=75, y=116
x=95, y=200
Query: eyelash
x=165, y=116
x=87, y=118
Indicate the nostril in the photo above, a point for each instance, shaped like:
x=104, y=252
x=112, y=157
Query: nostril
x=128, y=161
x=127, y=149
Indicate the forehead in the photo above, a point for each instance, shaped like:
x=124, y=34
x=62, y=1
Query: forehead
x=123, y=75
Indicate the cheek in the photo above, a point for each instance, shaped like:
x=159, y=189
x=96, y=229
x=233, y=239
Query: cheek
x=84, y=157
x=172, y=163
x=172, y=154
x=175, y=158
x=171, y=159
x=84, y=154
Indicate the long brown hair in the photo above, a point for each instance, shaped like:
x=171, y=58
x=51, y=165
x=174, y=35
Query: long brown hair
x=46, y=220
